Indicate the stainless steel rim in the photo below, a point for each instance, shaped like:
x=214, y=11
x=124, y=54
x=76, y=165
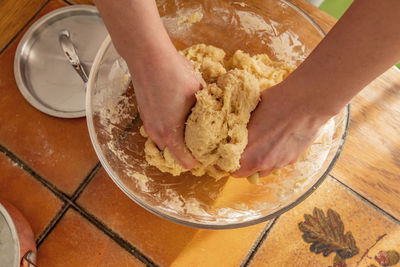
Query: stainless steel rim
x=14, y=233
x=22, y=46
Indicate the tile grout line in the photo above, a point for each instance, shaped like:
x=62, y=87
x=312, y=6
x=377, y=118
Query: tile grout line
x=114, y=236
x=49, y=228
x=86, y=181
x=22, y=28
x=376, y=207
x=52, y=224
x=34, y=174
x=67, y=2
x=258, y=243
x=69, y=202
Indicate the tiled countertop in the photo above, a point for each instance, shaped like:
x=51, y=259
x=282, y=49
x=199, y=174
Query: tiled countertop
x=48, y=170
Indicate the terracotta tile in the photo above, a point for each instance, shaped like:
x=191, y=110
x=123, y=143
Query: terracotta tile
x=82, y=2
x=166, y=243
x=76, y=242
x=369, y=162
x=15, y=14
x=284, y=245
x=58, y=149
x=36, y=203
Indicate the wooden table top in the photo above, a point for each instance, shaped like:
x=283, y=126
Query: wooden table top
x=49, y=170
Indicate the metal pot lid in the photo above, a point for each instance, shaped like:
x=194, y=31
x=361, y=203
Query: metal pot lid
x=9, y=244
x=43, y=74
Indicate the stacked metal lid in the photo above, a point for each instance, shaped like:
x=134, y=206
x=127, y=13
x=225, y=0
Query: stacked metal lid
x=45, y=55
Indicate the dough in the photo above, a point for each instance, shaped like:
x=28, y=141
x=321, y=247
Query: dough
x=216, y=130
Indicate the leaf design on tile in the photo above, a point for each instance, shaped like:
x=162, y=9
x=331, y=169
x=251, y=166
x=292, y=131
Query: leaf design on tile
x=339, y=262
x=326, y=234
x=387, y=258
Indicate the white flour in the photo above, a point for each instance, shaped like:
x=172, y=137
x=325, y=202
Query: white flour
x=180, y=24
x=114, y=108
x=287, y=47
x=252, y=23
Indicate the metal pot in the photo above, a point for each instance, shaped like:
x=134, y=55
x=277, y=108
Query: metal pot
x=17, y=244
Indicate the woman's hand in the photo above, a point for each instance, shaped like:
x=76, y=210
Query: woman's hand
x=164, y=80
x=356, y=50
x=165, y=89
x=280, y=130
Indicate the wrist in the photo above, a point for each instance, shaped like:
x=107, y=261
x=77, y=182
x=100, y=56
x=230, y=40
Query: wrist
x=152, y=59
x=313, y=96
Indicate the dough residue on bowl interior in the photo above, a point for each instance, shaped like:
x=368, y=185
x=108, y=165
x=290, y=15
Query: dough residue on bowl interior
x=216, y=130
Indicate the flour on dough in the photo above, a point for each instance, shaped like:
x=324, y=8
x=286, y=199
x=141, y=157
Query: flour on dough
x=216, y=130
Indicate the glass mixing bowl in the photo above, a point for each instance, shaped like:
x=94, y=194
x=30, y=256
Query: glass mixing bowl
x=276, y=28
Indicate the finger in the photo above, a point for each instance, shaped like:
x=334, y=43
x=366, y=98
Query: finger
x=181, y=153
x=158, y=141
x=161, y=146
x=244, y=172
x=247, y=167
x=277, y=166
x=203, y=83
x=218, y=167
x=183, y=156
x=266, y=172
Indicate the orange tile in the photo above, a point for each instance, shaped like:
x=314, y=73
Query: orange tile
x=371, y=230
x=82, y=2
x=166, y=243
x=36, y=203
x=14, y=15
x=76, y=242
x=58, y=149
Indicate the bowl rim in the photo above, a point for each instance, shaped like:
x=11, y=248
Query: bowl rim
x=115, y=179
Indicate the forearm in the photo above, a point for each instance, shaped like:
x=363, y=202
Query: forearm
x=136, y=30
x=362, y=45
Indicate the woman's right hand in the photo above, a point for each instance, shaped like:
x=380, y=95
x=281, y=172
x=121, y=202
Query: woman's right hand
x=165, y=90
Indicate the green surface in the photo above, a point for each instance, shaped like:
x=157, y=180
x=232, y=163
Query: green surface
x=336, y=8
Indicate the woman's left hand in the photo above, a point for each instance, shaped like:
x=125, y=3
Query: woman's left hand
x=280, y=130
